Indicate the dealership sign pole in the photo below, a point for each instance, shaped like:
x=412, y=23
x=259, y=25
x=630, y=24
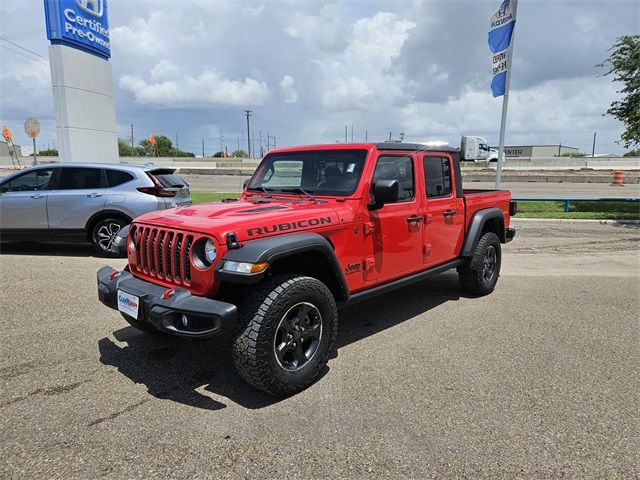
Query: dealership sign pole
x=82, y=80
x=501, y=28
x=32, y=129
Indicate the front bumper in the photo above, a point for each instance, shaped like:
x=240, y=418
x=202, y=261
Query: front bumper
x=181, y=314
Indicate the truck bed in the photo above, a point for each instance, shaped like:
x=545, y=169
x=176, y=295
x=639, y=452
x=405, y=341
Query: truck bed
x=477, y=199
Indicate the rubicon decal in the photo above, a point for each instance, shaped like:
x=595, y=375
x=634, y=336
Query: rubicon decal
x=283, y=227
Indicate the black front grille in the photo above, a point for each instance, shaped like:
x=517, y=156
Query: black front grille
x=164, y=254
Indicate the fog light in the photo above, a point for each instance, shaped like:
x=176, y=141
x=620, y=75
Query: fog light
x=244, y=267
x=185, y=321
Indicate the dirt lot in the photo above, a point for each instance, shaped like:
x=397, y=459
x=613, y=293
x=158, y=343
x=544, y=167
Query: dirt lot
x=539, y=379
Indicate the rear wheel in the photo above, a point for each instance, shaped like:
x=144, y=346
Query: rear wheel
x=287, y=329
x=104, y=234
x=479, y=274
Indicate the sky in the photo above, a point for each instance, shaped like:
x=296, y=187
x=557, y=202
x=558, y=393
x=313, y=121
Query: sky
x=308, y=68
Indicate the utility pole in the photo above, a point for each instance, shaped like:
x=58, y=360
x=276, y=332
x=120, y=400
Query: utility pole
x=274, y=141
x=401, y=136
x=559, y=149
x=261, y=151
x=366, y=136
x=352, y=133
x=221, y=147
x=248, y=114
x=593, y=149
x=345, y=134
x=177, y=144
x=203, y=148
x=389, y=136
x=132, y=135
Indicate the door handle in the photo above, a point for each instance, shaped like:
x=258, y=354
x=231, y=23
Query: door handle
x=449, y=213
x=94, y=195
x=414, y=218
x=38, y=195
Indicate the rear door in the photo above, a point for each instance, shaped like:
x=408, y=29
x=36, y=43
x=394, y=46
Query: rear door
x=23, y=201
x=80, y=193
x=393, y=233
x=444, y=211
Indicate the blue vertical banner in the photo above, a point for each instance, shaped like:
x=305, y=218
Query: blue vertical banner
x=501, y=26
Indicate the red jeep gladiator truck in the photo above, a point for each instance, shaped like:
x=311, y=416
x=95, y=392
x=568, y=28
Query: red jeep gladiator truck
x=316, y=227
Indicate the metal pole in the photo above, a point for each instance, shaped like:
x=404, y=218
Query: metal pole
x=203, y=148
x=352, y=133
x=35, y=152
x=261, y=151
x=132, y=135
x=274, y=141
x=593, y=149
x=505, y=103
x=248, y=113
x=366, y=136
x=559, y=149
x=345, y=134
x=177, y=144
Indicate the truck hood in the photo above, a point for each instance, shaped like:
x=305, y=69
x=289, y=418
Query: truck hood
x=247, y=219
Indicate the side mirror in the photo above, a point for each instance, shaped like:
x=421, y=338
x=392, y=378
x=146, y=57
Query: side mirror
x=384, y=191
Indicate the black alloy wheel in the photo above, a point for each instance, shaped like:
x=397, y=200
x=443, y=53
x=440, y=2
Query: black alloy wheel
x=298, y=336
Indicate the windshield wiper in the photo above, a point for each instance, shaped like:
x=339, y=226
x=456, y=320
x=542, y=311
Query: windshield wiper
x=265, y=190
x=304, y=192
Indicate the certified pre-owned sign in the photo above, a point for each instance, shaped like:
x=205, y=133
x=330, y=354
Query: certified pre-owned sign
x=81, y=24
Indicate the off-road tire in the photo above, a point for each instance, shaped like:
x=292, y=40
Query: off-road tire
x=260, y=316
x=102, y=227
x=473, y=272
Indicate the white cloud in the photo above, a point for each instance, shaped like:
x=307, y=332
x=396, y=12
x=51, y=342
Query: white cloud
x=209, y=87
x=360, y=76
x=288, y=89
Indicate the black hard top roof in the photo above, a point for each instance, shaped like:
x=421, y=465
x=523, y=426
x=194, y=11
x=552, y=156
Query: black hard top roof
x=414, y=146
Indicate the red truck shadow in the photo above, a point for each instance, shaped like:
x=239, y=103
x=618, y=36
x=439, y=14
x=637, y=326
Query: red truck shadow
x=178, y=370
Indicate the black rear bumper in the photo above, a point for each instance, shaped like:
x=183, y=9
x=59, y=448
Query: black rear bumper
x=181, y=314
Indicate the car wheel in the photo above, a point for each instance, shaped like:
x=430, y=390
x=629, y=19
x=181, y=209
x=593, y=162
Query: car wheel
x=287, y=330
x=103, y=236
x=479, y=273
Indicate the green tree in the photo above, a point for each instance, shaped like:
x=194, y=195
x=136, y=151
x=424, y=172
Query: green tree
x=218, y=155
x=49, y=152
x=239, y=153
x=573, y=154
x=624, y=64
x=632, y=153
x=163, y=148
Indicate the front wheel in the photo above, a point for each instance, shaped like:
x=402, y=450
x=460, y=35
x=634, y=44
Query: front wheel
x=287, y=329
x=104, y=234
x=479, y=273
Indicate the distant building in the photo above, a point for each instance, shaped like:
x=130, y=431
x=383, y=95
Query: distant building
x=4, y=150
x=528, y=151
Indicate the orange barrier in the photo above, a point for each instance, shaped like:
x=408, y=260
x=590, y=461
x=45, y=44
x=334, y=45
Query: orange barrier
x=618, y=178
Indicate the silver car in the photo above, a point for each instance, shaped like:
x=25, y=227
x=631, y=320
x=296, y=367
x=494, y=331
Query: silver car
x=84, y=202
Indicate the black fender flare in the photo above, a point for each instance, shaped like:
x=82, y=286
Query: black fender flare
x=274, y=248
x=478, y=221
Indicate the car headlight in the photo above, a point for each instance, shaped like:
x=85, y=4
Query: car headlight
x=203, y=253
x=209, y=251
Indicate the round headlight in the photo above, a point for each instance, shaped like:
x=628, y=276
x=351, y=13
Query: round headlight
x=209, y=251
x=132, y=240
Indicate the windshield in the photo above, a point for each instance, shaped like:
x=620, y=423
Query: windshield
x=320, y=172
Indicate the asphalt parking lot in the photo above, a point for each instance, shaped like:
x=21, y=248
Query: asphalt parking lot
x=539, y=379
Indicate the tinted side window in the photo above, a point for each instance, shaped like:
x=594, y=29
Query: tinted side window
x=76, y=178
x=117, y=177
x=396, y=168
x=437, y=173
x=34, y=180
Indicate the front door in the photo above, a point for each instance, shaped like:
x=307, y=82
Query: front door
x=444, y=211
x=23, y=201
x=394, y=232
